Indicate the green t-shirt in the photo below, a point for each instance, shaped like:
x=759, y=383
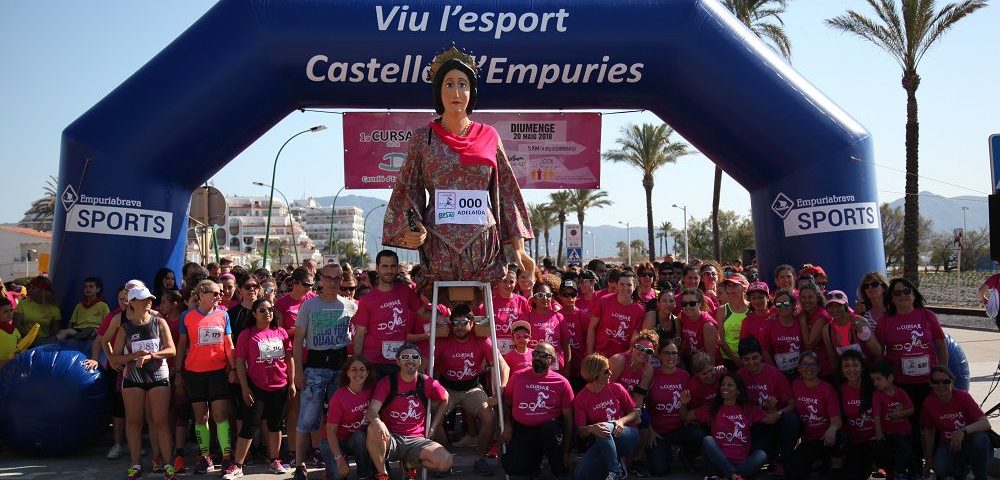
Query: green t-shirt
x=8, y=342
x=731, y=327
x=84, y=317
x=34, y=312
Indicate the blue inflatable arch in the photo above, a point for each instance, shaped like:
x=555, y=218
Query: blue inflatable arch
x=129, y=164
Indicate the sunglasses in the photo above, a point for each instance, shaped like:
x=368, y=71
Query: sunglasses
x=902, y=292
x=409, y=356
x=304, y=284
x=568, y=294
x=690, y=304
x=459, y=321
x=269, y=290
x=541, y=355
x=946, y=381
x=710, y=274
x=543, y=295
x=835, y=296
x=349, y=288
x=643, y=349
x=787, y=304
x=251, y=286
x=265, y=310
x=214, y=293
x=871, y=285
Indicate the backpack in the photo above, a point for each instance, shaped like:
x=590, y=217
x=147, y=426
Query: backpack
x=394, y=389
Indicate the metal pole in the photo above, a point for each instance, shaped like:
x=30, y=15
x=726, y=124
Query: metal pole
x=687, y=258
x=270, y=203
x=291, y=221
x=333, y=214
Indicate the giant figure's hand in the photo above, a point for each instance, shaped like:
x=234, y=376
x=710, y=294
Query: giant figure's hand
x=527, y=263
x=413, y=240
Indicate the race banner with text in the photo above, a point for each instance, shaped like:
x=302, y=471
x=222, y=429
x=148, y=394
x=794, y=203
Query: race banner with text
x=546, y=150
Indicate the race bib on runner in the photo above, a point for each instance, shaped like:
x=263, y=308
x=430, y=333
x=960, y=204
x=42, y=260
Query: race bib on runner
x=786, y=361
x=505, y=345
x=916, y=366
x=461, y=207
x=389, y=349
x=151, y=345
x=210, y=335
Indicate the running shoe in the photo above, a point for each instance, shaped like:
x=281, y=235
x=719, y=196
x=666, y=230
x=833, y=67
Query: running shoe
x=227, y=461
x=116, y=452
x=169, y=473
x=158, y=465
x=203, y=466
x=134, y=472
x=179, y=464
x=494, y=450
x=483, y=467
x=317, y=459
x=301, y=473
x=232, y=472
x=276, y=467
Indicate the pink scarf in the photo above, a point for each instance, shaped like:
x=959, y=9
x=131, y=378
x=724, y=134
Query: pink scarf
x=477, y=147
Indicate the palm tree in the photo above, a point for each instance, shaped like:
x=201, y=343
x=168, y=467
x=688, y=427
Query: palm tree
x=581, y=200
x=533, y=216
x=561, y=206
x=666, y=229
x=544, y=219
x=906, y=34
x=763, y=18
x=647, y=147
x=42, y=211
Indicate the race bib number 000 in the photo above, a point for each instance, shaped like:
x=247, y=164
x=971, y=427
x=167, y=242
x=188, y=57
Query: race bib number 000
x=461, y=207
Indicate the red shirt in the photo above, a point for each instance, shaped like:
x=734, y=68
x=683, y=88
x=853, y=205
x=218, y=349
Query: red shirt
x=693, y=333
x=536, y=399
x=576, y=323
x=882, y=404
x=505, y=312
x=730, y=426
x=421, y=325
x=405, y=414
x=783, y=343
x=948, y=417
x=755, y=325
x=458, y=361
x=608, y=405
x=702, y=393
x=549, y=327
x=264, y=352
x=815, y=406
x=630, y=378
x=664, y=400
x=385, y=317
x=909, y=343
x=289, y=308
x=859, y=424
x=825, y=367
x=347, y=411
x=769, y=382
x=518, y=361
x=616, y=324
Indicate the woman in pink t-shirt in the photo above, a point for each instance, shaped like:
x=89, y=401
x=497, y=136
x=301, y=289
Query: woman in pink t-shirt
x=783, y=342
x=548, y=325
x=871, y=298
x=856, y=391
x=604, y=411
x=266, y=372
x=757, y=319
x=730, y=417
x=960, y=425
x=818, y=406
x=346, y=427
x=817, y=319
x=664, y=406
x=647, y=277
x=699, y=331
x=519, y=356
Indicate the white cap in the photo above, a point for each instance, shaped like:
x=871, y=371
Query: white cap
x=139, y=293
x=135, y=283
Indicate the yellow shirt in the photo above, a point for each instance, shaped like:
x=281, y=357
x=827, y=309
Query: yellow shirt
x=34, y=312
x=84, y=317
x=8, y=342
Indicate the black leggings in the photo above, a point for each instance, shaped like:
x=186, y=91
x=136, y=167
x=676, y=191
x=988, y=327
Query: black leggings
x=808, y=452
x=529, y=444
x=269, y=405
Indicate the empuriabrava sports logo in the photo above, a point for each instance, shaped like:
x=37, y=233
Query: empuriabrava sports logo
x=832, y=213
x=113, y=215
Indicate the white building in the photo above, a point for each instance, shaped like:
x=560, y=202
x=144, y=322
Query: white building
x=20, y=249
x=348, y=223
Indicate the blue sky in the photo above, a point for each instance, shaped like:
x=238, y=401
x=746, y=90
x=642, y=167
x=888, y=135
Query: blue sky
x=60, y=57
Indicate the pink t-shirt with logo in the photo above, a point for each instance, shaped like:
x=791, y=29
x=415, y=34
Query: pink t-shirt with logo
x=610, y=404
x=537, y=399
x=664, y=400
x=909, y=343
x=347, y=411
x=730, y=427
x=459, y=361
x=769, y=382
x=882, y=404
x=576, y=322
x=755, y=325
x=549, y=327
x=289, y=308
x=264, y=352
x=784, y=343
x=815, y=406
x=518, y=361
x=702, y=393
x=630, y=378
x=859, y=424
x=385, y=317
x=825, y=365
x=693, y=333
x=616, y=324
x=505, y=312
x=405, y=414
x=420, y=325
x=946, y=418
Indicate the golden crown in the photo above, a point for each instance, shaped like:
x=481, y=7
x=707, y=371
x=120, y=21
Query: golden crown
x=453, y=53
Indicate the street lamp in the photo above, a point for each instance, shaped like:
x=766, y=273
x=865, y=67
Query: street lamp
x=593, y=253
x=270, y=203
x=628, y=229
x=291, y=221
x=685, y=208
x=364, y=230
x=333, y=214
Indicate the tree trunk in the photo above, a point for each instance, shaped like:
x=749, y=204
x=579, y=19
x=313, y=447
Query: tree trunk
x=911, y=205
x=547, y=245
x=716, y=193
x=559, y=253
x=647, y=184
x=535, y=241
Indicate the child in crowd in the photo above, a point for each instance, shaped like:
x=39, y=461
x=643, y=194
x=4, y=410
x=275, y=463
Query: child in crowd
x=891, y=412
x=88, y=314
x=9, y=336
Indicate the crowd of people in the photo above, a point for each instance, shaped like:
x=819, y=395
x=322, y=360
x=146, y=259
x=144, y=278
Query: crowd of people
x=604, y=372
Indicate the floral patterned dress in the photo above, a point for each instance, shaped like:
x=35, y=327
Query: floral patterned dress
x=455, y=251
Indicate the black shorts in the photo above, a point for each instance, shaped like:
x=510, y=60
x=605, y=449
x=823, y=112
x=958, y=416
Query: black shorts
x=147, y=386
x=206, y=386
